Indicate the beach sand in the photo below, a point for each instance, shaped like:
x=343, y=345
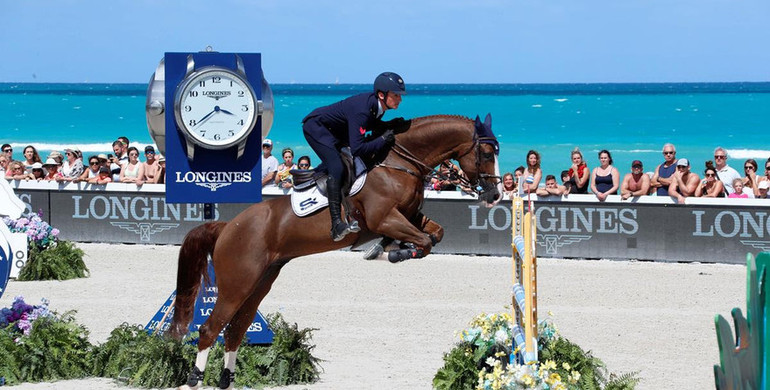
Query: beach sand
x=387, y=326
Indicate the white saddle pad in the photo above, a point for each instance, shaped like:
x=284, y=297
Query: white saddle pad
x=307, y=202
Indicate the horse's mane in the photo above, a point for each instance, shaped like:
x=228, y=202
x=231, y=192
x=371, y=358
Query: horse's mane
x=441, y=116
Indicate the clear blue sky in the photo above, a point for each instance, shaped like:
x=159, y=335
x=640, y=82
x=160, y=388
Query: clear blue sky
x=447, y=41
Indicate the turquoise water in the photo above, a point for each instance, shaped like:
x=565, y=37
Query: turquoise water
x=633, y=121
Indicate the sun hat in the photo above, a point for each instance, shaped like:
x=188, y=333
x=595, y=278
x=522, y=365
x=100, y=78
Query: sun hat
x=162, y=159
x=267, y=142
x=102, y=156
x=37, y=166
x=49, y=161
x=763, y=185
x=683, y=162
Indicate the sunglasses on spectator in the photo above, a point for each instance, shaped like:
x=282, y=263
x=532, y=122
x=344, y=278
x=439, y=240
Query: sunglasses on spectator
x=94, y=162
x=711, y=175
x=9, y=150
x=716, y=156
x=153, y=153
x=767, y=168
x=304, y=165
x=669, y=152
x=749, y=167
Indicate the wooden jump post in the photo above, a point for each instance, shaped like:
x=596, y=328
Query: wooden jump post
x=524, y=286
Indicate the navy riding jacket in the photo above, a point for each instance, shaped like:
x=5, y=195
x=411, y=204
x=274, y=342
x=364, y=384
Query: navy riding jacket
x=352, y=122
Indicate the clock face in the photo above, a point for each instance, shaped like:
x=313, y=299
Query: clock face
x=216, y=107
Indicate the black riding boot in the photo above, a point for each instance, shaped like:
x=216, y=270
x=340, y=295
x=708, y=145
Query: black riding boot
x=340, y=228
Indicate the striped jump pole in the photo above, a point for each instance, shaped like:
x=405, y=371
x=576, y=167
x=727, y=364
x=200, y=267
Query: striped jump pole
x=524, y=284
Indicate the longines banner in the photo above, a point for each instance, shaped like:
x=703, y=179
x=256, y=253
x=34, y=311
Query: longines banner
x=645, y=231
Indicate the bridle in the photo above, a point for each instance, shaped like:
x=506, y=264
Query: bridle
x=425, y=172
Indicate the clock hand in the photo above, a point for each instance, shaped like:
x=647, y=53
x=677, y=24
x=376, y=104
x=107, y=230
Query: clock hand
x=208, y=115
x=226, y=112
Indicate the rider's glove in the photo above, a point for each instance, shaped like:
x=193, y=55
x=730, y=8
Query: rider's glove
x=398, y=125
x=389, y=137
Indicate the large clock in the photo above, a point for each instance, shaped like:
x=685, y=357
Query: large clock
x=215, y=108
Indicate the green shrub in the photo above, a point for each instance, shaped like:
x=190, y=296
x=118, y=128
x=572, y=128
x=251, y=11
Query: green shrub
x=59, y=261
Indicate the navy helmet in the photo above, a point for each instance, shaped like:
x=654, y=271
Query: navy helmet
x=389, y=82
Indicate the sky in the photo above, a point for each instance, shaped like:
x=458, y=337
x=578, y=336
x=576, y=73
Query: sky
x=430, y=41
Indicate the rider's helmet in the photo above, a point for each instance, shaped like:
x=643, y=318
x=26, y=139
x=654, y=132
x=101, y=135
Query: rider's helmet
x=389, y=82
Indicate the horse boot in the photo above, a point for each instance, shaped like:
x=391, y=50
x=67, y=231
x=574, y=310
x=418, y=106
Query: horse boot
x=340, y=228
x=227, y=379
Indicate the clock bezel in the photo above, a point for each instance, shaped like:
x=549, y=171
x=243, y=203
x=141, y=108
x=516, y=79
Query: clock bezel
x=189, y=134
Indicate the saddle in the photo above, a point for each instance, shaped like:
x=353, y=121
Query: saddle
x=309, y=193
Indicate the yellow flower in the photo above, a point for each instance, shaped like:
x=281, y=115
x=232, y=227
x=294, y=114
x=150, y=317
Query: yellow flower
x=566, y=366
x=528, y=380
x=555, y=377
x=574, y=377
x=549, y=365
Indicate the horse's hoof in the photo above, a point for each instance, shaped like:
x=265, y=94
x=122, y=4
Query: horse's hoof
x=194, y=380
x=400, y=255
x=227, y=379
x=373, y=252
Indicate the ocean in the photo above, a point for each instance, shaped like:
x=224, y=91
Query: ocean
x=632, y=121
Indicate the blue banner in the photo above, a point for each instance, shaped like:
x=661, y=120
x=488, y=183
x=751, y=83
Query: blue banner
x=258, y=333
x=212, y=175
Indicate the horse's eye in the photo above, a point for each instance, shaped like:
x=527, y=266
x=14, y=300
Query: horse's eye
x=487, y=155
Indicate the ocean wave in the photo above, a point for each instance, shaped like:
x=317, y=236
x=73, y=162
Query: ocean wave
x=560, y=100
x=748, y=153
x=537, y=105
x=105, y=147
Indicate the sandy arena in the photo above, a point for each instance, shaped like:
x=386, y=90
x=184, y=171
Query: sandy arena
x=386, y=326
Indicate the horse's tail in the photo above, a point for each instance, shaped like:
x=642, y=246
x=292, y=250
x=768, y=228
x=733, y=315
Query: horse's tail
x=193, y=260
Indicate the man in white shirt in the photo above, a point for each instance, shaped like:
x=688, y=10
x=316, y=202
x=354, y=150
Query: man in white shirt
x=725, y=173
x=269, y=163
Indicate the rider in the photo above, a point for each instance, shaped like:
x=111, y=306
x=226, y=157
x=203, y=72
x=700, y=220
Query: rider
x=353, y=122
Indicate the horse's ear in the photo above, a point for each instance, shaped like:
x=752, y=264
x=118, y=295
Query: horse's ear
x=488, y=121
x=478, y=121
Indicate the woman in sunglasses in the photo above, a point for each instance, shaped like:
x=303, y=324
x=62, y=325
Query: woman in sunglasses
x=304, y=163
x=92, y=170
x=710, y=187
x=751, y=180
x=16, y=171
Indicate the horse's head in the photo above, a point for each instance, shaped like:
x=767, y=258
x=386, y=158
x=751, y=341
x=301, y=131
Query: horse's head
x=480, y=163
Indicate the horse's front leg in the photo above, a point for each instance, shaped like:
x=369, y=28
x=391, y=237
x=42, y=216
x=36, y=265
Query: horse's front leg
x=429, y=227
x=393, y=224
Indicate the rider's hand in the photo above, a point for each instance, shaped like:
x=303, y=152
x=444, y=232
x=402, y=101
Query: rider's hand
x=389, y=137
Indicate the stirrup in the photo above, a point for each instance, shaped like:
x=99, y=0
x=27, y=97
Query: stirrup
x=353, y=227
x=196, y=376
x=227, y=379
x=344, y=230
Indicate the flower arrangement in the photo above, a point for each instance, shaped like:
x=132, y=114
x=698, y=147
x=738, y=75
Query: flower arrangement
x=20, y=316
x=481, y=361
x=48, y=258
x=41, y=234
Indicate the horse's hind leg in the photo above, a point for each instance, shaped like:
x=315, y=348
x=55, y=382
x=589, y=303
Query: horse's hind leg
x=395, y=225
x=241, y=321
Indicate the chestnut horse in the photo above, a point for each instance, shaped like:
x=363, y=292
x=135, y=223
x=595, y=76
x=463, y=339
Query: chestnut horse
x=249, y=251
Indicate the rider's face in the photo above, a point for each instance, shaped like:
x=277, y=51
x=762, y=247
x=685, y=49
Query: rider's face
x=392, y=100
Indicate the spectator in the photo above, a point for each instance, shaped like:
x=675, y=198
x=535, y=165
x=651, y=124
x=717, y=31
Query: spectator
x=16, y=171
x=636, y=183
x=92, y=171
x=125, y=142
x=52, y=169
x=105, y=176
x=7, y=151
x=762, y=187
x=121, y=157
x=304, y=163
x=4, y=160
x=283, y=176
x=751, y=179
x=37, y=172
x=72, y=168
x=551, y=187
x=30, y=157
x=269, y=163
x=444, y=181
x=684, y=182
x=132, y=172
x=57, y=157
x=160, y=175
x=533, y=169
x=725, y=173
x=509, y=184
x=605, y=179
x=766, y=177
x=661, y=179
x=710, y=186
x=150, y=166
x=566, y=182
x=738, y=189
x=578, y=173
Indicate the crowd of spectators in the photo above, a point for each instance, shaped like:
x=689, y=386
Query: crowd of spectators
x=125, y=166
x=674, y=177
